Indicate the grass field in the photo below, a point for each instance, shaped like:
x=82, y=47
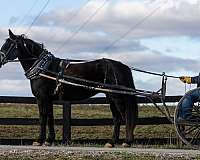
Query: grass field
x=83, y=111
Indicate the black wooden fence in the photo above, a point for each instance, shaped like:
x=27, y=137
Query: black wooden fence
x=67, y=121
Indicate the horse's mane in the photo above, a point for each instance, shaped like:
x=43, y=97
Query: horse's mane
x=26, y=38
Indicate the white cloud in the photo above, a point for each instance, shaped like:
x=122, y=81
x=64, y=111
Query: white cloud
x=176, y=18
x=181, y=18
x=154, y=61
x=12, y=71
x=15, y=87
x=113, y=21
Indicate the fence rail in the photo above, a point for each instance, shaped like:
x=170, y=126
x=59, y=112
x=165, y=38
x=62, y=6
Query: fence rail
x=97, y=100
x=67, y=121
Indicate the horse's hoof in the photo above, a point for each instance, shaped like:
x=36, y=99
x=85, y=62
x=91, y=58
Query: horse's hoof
x=66, y=143
x=108, y=145
x=126, y=145
x=47, y=144
x=36, y=144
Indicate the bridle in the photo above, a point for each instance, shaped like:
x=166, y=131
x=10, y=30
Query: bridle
x=14, y=45
x=8, y=52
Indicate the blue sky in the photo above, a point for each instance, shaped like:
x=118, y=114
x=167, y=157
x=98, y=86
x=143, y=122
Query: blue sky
x=167, y=42
x=19, y=8
x=184, y=47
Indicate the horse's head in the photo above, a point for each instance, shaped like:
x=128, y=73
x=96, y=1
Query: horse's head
x=17, y=46
x=9, y=49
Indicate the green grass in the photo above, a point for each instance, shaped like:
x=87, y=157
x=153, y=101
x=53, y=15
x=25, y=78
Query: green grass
x=83, y=111
x=99, y=132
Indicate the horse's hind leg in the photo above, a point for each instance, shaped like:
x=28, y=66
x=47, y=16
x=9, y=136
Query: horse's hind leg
x=117, y=122
x=131, y=115
x=118, y=114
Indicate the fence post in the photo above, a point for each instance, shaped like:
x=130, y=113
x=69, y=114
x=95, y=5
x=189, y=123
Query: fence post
x=66, y=123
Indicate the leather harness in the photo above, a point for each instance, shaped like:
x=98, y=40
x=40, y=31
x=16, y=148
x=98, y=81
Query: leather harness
x=42, y=64
x=63, y=65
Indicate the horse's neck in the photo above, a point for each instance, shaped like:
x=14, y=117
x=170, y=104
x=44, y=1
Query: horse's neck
x=27, y=55
x=26, y=61
x=26, y=64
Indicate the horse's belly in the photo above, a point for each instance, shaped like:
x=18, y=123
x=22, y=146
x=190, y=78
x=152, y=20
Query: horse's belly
x=76, y=93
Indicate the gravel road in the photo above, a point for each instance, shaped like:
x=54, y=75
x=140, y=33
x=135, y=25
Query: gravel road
x=34, y=151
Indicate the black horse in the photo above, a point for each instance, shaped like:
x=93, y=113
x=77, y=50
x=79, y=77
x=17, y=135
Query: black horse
x=123, y=107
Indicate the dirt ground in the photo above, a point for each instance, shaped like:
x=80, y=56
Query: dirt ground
x=93, y=153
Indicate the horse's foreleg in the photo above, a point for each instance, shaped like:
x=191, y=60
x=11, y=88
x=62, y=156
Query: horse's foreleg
x=50, y=121
x=43, y=122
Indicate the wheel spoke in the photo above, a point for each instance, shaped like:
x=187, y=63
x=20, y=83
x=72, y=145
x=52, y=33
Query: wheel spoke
x=196, y=109
x=190, y=129
x=195, y=137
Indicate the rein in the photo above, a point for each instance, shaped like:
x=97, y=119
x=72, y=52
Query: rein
x=15, y=45
x=17, y=60
x=152, y=73
x=29, y=59
x=78, y=61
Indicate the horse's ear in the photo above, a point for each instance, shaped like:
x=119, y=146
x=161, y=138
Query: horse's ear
x=12, y=36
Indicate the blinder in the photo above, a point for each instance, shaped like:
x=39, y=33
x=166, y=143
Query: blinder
x=9, y=53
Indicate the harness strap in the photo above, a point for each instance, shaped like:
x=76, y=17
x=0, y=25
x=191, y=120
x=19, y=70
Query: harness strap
x=63, y=65
x=106, y=71
x=43, y=62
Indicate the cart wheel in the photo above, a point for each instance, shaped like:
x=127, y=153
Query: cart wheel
x=189, y=130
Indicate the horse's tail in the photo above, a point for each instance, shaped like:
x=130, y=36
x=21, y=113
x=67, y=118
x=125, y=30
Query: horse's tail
x=117, y=73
